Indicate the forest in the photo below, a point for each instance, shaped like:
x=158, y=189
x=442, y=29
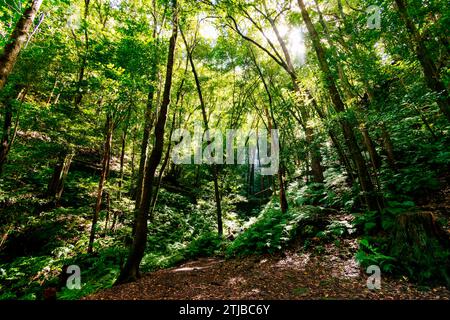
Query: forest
x=224, y=149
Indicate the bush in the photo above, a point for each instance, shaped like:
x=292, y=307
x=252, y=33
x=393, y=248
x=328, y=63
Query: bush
x=207, y=244
x=274, y=230
x=411, y=245
x=369, y=253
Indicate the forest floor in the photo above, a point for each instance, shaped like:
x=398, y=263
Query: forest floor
x=331, y=273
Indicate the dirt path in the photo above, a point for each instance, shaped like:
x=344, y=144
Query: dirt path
x=330, y=274
x=333, y=274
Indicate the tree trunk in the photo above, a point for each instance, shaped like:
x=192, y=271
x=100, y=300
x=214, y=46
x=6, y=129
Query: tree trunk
x=8, y=136
x=283, y=200
x=370, y=146
x=7, y=125
x=169, y=147
x=56, y=186
x=282, y=193
x=351, y=93
x=251, y=180
x=363, y=173
x=84, y=59
x=418, y=242
x=316, y=158
x=122, y=160
x=214, y=170
x=132, y=190
x=108, y=211
x=18, y=38
x=130, y=271
x=102, y=181
x=270, y=119
x=314, y=151
x=388, y=147
x=149, y=120
x=343, y=159
x=430, y=71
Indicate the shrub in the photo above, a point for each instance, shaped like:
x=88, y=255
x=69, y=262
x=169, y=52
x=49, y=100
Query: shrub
x=207, y=244
x=273, y=230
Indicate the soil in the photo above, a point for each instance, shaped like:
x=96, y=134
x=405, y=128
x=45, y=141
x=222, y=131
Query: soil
x=333, y=274
x=329, y=273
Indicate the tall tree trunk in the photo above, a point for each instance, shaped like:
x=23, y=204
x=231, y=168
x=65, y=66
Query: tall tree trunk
x=283, y=199
x=132, y=190
x=430, y=70
x=169, y=147
x=251, y=180
x=314, y=151
x=149, y=115
x=214, y=170
x=352, y=144
x=84, y=58
x=351, y=93
x=270, y=119
x=102, y=181
x=149, y=120
x=122, y=162
x=162, y=169
x=261, y=177
x=130, y=271
x=108, y=211
x=17, y=40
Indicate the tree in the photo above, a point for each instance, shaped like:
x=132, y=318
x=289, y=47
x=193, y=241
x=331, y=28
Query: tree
x=214, y=169
x=84, y=56
x=109, y=128
x=130, y=271
x=430, y=71
x=352, y=144
x=17, y=40
x=150, y=111
x=287, y=65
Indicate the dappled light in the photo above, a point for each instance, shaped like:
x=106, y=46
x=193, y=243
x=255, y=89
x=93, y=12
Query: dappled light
x=235, y=150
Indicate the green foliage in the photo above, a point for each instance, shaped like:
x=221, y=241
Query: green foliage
x=272, y=230
x=378, y=78
x=97, y=272
x=22, y=278
x=366, y=221
x=180, y=231
x=369, y=254
x=411, y=250
x=333, y=193
x=311, y=194
x=27, y=277
x=205, y=245
x=337, y=229
x=411, y=181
